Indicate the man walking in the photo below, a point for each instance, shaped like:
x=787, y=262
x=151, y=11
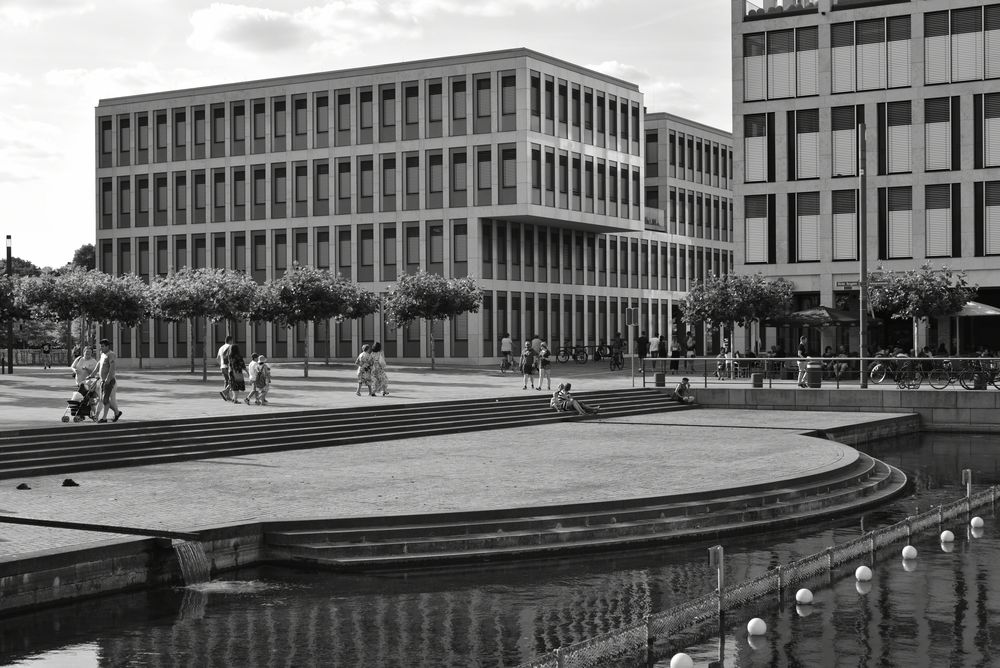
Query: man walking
x=223, y=357
x=642, y=347
x=106, y=371
x=803, y=354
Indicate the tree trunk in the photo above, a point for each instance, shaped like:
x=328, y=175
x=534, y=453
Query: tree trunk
x=305, y=365
x=430, y=339
x=192, y=336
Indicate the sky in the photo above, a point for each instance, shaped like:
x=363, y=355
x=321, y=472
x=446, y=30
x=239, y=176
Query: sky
x=58, y=58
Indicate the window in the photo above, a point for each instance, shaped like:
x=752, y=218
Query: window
x=991, y=217
x=483, y=169
x=871, y=65
x=508, y=95
x=365, y=110
x=991, y=130
x=756, y=143
x=458, y=172
x=388, y=107
x=259, y=187
x=967, y=44
x=900, y=221
x=991, y=21
x=434, y=102
x=322, y=115
x=898, y=137
x=508, y=176
x=458, y=110
x=755, y=209
x=937, y=48
x=389, y=177
x=845, y=141
x=343, y=112
x=937, y=200
x=807, y=227
x=280, y=120
x=482, y=97
x=412, y=175
x=842, y=57
x=898, y=50
x=807, y=143
x=259, y=121
x=435, y=173
x=807, y=61
x=937, y=133
x=780, y=64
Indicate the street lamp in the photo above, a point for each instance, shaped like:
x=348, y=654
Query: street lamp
x=862, y=251
x=10, y=322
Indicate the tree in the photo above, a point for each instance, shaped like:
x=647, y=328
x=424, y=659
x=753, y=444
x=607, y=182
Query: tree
x=12, y=303
x=305, y=294
x=918, y=293
x=431, y=297
x=182, y=297
x=85, y=257
x=736, y=299
x=20, y=267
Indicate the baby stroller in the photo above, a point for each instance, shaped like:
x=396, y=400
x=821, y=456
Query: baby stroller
x=83, y=406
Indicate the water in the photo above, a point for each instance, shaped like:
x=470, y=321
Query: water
x=501, y=615
x=193, y=561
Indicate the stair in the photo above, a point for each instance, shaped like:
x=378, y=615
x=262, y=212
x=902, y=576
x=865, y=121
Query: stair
x=409, y=541
x=61, y=450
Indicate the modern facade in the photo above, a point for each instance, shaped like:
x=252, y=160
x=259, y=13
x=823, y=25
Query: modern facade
x=924, y=79
x=519, y=169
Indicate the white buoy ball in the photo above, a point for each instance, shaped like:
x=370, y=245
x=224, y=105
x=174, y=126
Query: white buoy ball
x=804, y=610
x=863, y=587
x=756, y=627
x=910, y=552
x=863, y=574
x=947, y=537
x=948, y=547
x=977, y=532
x=804, y=596
x=681, y=660
x=976, y=522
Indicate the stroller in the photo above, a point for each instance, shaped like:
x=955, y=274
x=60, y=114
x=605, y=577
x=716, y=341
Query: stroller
x=83, y=406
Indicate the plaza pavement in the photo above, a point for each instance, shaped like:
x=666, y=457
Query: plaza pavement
x=578, y=461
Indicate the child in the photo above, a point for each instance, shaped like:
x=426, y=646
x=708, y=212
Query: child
x=544, y=366
x=262, y=384
x=253, y=370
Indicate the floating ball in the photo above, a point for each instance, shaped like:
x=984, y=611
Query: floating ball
x=909, y=565
x=804, y=610
x=947, y=547
x=976, y=522
x=863, y=587
x=681, y=660
x=977, y=532
x=909, y=552
x=804, y=596
x=756, y=627
x=863, y=574
x=947, y=537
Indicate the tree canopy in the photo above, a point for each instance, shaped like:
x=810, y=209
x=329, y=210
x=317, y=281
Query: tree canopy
x=431, y=297
x=736, y=298
x=305, y=294
x=918, y=293
x=85, y=257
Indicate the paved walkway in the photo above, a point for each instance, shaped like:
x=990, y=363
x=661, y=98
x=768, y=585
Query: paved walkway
x=637, y=456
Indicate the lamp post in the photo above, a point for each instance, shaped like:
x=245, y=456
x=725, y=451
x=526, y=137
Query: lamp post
x=10, y=322
x=862, y=250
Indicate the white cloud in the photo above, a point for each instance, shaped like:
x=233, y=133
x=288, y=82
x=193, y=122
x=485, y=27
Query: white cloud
x=13, y=81
x=28, y=148
x=416, y=9
x=19, y=14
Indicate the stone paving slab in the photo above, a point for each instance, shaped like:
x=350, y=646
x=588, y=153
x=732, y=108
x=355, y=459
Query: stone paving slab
x=580, y=461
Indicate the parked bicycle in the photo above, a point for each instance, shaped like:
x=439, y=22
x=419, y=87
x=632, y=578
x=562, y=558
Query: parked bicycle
x=908, y=375
x=506, y=364
x=579, y=354
x=617, y=362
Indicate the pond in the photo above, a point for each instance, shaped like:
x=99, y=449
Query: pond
x=504, y=614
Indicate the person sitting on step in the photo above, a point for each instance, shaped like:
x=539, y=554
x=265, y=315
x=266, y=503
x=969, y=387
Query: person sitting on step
x=682, y=392
x=568, y=402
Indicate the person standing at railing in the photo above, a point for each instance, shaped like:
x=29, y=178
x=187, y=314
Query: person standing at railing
x=803, y=354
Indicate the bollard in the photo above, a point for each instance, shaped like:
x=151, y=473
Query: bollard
x=967, y=481
x=717, y=558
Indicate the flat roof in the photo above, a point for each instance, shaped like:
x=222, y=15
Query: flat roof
x=663, y=115
x=368, y=70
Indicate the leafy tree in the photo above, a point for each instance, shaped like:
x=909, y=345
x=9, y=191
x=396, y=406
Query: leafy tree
x=85, y=257
x=431, y=297
x=20, y=267
x=736, y=299
x=305, y=294
x=918, y=294
x=12, y=303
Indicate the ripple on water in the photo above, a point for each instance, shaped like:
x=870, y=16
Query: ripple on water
x=238, y=587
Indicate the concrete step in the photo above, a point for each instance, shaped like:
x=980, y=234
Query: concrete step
x=379, y=545
x=79, y=447
x=528, y=545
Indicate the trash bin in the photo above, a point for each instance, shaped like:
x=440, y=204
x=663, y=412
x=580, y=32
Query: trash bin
x=814, y=373
x=979, y=381
x=757, y=379
x=660, y=379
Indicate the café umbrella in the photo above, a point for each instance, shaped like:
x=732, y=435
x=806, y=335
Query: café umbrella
x=971, y=310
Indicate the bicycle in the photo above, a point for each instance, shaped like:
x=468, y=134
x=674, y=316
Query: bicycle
x=882, y=369
x=943, y=376
x=578, y=353
x=908, y=376
x=617, y=361
x=506, y=364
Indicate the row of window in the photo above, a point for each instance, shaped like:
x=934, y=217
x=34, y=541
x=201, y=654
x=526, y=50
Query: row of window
x=894, y=123
x=874, y=54
x=383, y=113
x=690, y=158
x=942, y=224
x=408, y=181
x=697, y=215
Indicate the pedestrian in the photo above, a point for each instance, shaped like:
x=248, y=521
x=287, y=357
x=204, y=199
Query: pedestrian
x=380, y=381
x=223, y=358
x=253, y=370
x=544, y=366
x=642, y=347
x=237, y=365
x=263, y=382
x=364, y=362
x=536, y=343
x=682, y=392
x=803, y=354
x=691, y=350
x=569, y=401
x=46, y=355
x=106, y=372
x=507, y=348
x=675, y=352
x=661, y=350
x=528, y=363
x=83, y=366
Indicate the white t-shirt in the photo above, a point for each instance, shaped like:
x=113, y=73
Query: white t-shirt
x=506, y=345
x=253, y=369
x=83, y=367
x=222, y=355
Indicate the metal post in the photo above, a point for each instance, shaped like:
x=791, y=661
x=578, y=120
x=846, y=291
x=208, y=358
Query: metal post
x=862, y=249
x=717, y=558
x=967, y=481
x=10, y=322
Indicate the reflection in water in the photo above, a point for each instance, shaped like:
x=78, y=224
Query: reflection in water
x=501, y=615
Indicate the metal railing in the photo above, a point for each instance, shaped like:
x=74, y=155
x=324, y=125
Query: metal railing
x=653, y=636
